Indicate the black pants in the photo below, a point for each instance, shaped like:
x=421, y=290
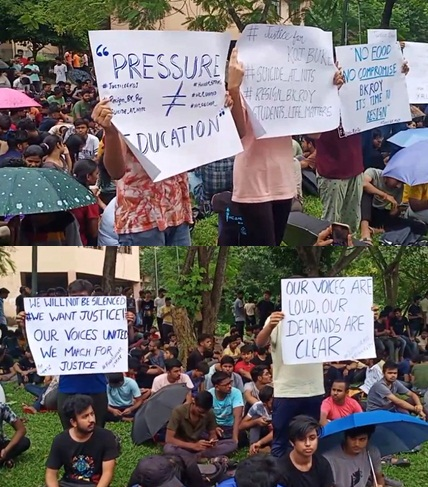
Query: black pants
x=147, y=323
x=240, y=325
x=265, y=223
x=3, y=330
x=165, y=329
x=100, y=408
x=22, y=446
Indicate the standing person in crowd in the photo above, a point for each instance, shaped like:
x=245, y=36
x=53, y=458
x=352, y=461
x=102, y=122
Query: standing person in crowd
x=159, y=303
x=18, y=444
x=250, y=312
x=239, y=313
x=265, y=308
x=87, y=452
x=24, y=292
x=147, y=309
x=4, y=293
x=90, y=149
x=416, y=317
x=60, y=71
x=298, y=389
x=166, y=313
x=35, y=74
x=93, y=385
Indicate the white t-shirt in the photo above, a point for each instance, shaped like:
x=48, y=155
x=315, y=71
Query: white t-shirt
x=60, y=71
x=159, y=302
x=90, y=149
x=290, y=381
x=161, y=381
x=249, y=308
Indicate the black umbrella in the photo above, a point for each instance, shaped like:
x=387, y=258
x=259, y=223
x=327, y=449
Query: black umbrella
x=154, y=414
x=3, y=65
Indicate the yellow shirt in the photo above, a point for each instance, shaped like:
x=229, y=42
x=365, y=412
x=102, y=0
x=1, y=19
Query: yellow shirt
x=419, y=192
x=232, y=353
x=166, y=313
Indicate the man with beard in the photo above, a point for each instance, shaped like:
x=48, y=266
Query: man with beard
x=87, y=452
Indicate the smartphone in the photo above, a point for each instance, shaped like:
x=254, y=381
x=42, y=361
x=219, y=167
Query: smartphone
x=340, y=234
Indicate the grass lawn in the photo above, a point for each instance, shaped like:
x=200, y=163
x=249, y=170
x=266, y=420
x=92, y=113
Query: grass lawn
x=29, y=471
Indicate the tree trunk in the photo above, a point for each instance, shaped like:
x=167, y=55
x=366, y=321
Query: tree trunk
x=109, y=270
x=310, y=257
x=205, y=255
x=184, y=331
x=387, y=14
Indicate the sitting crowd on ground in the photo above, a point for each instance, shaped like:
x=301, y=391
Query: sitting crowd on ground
x=239, y=395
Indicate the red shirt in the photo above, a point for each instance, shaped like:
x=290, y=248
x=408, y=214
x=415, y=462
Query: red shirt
x=83, y=215
x=241, y=365
x=339, y=158
x=337, y=411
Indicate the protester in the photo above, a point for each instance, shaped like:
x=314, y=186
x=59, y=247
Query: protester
x=260, y=377
x=339, y=404
x=197, y=376
x=124, y=398
x=4, y=293
x=18, y=444
x=173, y=375
x=205, y=346
x=244, y=366
x=226, y=365
x=7, y=370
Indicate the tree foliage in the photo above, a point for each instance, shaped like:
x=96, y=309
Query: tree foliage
x=7, y=265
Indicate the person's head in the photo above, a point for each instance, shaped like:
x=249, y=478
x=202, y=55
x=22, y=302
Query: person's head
x=308, y=145
x=47, y=87
x=154, y=330
x=25, y=291
x=357, y=439
x=171, y=352
x=339, y=391
x=30, y=60
x=5, y=123
x=54, y=112
x=60, y=291
x=201, y=370
x=172, y=337
x=266, y=396
x=234, y=341
x=17, y=140
x=261, y=374
x=398, y=312
x=168, y=301
x=417, y=299
x=377, y=139
x=75, y=144
x=383, y=316
x=116, y=379
x=261, y=351
x=390, y=371
x=411, y=125
x=82, y=127
x=58, y=60
x=148, y=295
x=86, y=172
x=161, y=292
x=227, y=365
x=240, y=294
x=67, y=87
x=424, y=334
x=33, y=156
x=205, y=341
x=28, y=353
x=80, y=287
x=392, y=183
x=173, y=369
x=53, y=144
x=154, y=345
x=201, y=404
x=303, y=433
x=247, y=353
x=134, y=365
x=158, y=471
x=258, y=471
x=267, y=295
x=4, y=293
x=86, y=94
x=57, y=92
x=20, y=53
x=222, y=383
x=79, y=411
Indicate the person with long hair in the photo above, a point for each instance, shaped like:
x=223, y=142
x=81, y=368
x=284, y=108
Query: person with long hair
x=57, y=156
x=75, y=144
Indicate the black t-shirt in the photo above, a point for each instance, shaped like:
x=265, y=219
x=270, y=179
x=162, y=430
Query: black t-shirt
x=147, y=307
x=19, y=303
x=82, y=462
x=265, y=309
x=415, y=310
x=399, y=325
x=379, y=326
x=194, y=358
x=267, y=361
x=26, y=364
x=320, y=474
x=6, y=363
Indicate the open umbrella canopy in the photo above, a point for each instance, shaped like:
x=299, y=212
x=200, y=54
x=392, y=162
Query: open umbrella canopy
x=409, y=137
x=394, y=432
x=3, y=65
x=153, y=415
x=26, y=191
x=10, y=98
x=410, y=165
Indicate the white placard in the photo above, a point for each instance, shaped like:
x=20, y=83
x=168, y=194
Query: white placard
x=77, y=335
x=288, y=84
x=416, y=54
x=375, y=90
x=377, y=36
x=167, y=91
x=327, y=320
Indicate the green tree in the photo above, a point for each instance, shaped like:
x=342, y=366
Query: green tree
x=7, y=265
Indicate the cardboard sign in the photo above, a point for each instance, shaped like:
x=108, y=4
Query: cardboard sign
x=416, y=54
x=375, y=90
x=77, y=335
x=167, y=91
x=378, y=36
x=288, y=85
x=327, y=320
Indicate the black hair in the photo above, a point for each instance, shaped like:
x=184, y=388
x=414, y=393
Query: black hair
x=261, y=350
x=157, y=343
x=79, y=286
x=82, y=169
x=86, y=90
x=266, y=394
x=309, y=140
x=115, y=378
x=75, y=405
x=172, y=363
x=27, y=124
x=383, y=314
x=204, y=400
x=34, y=150
x=22, y=289
x=134, y=363
x=173, y=351
x=5, y=122
x=60, y=291
x=258, y=470
x=227, y=359
x=219, y=377
x=202, y=367
x=267, y=292
x=54, y=108
x=4, y=290
x=202, y=337
x=16, y=138
x=13, y=162
x=301, y=426
x=248, y=348
x=389, y=365
x=81, y=121
x=74, y=144
x=342, y=380
x=257, y=371
x=376, y=134
x=362, y=430
x=57, y=90
x=50, y=142
x=388, y=309
x=396, y=310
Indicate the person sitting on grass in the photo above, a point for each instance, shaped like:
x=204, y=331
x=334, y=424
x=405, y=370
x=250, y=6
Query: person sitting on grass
x=156, y=354
x=226, y=365
x=261, y=377
x=47, y=396
x=173, y=375
x=259, y=421
x=301, y=466
x=124, y=398
x=170, y=352
x=158, y=470
x=383, y=394
x=338, y=404
x=192, y=434
x=244, y=366
x=86, y=452
x=7, y=371
x=19, y=443
x=231, y=346
x=197, y=376
x=353, y=461
x=26, y=370
x=257, y=471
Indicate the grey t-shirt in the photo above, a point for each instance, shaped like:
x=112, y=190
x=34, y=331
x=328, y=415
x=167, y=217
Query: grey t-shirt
x=379, y=391
x=353, y=471
x=238, y=310
x=379, y=183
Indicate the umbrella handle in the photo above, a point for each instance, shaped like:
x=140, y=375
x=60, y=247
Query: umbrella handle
x=372, y=469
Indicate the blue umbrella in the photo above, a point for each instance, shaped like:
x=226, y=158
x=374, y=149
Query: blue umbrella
x=409, y=137
x=395, y=432
x=410, y=165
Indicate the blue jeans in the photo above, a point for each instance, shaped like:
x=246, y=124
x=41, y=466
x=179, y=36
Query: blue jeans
x=284, y=410
x=179, y=236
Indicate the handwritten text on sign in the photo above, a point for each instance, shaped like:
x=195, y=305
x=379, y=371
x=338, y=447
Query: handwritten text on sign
x=327, y=320
x=376, y=36
x=288, y=85
x=78, y=335
x=416, y=54
x=375, y=90
x=167, y=92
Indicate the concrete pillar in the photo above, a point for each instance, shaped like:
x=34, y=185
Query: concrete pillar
x=71, y=276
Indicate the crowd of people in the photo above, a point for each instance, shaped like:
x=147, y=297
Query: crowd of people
x=239, y=395
x=72, y=131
